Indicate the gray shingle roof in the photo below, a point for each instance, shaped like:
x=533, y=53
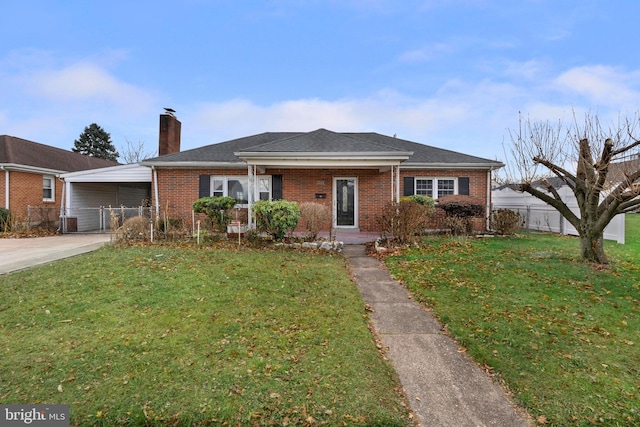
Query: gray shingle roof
x=223, y=151
x=18, y=151
x=423, y=154
x=322, y=141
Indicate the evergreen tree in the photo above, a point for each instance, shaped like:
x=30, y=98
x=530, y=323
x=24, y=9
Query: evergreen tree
x=95, y=142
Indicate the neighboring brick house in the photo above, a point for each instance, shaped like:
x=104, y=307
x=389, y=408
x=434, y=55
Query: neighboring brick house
x=355, y=174
x=29, y=174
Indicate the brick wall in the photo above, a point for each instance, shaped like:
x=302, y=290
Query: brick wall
x=178, y=188
x=374, y=189
x=25, y=189
x=477, y=188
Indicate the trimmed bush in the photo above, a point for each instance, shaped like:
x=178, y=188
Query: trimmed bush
x=276, y=217
x=462, y=206
x=505, y=221
x=405, y=220
x=315, y=217
x=5, y=220
x=217, y=210
x=459, y=211
x=420, y=199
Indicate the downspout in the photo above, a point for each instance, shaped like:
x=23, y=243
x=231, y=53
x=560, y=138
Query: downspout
x=488, y=208
x=63, y=213
x=6, y=189
x=155, y=189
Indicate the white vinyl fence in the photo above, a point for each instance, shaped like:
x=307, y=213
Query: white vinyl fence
x=542, y=217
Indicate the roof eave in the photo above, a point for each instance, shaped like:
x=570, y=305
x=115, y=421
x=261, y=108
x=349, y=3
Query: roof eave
x=30, y=169
x=194, y=164
x=390, y=155
x=442, y=165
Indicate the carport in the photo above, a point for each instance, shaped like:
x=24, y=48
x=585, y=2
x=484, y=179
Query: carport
x=90, y=196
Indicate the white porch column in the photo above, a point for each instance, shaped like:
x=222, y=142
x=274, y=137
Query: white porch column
x=393, y=183
x=398, y=183
x=251, y=173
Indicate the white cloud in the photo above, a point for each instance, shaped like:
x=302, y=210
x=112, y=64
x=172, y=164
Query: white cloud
x=601, y=85
x=85, y=82
x=51, y=103
x=427, y=53
x=388, y=112
x=529, y=70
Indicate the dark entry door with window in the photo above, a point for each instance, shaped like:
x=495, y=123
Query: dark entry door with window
x=345, y=202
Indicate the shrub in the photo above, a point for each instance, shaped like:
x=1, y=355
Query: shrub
x=315, y=217
x=420, y=199
x=457, y=226
x=276, y=217
x=136, y=228
x=217, y=209
x=462, y=206
x=459, y=211
x=505, y=221
x=404, y=220
x=5, y=220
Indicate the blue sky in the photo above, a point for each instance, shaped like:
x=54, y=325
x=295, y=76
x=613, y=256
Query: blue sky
x=448, y=73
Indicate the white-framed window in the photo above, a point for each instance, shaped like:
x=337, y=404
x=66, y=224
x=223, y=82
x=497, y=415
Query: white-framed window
x=48, y=189
x=263, y=190
x=238, y=188
x=436, y=187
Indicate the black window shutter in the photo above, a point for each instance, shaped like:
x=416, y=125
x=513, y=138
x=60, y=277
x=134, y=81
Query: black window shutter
x=205, y=186
x=276, y=187
x=463, y=185
x=408, y=186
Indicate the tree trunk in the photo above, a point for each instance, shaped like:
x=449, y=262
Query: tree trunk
x=592, y=247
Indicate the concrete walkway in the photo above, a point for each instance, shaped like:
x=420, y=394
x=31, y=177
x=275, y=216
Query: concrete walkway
x=18, y=254
x=442, y=385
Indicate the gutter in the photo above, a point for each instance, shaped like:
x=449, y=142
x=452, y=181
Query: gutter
x=452, y=166
x=195, y=164
x=31, y=169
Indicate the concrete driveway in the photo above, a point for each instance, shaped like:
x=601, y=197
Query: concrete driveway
x=19, y=254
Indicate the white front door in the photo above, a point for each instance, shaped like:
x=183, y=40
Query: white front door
x=345, y=202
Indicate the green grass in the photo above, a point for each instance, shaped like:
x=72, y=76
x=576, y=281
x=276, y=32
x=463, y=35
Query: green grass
x=563, y=335
x=195, y=336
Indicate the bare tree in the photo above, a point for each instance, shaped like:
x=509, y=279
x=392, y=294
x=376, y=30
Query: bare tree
x=135, y=153
x=582, y=156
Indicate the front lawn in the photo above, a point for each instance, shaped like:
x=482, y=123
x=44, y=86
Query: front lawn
x=195, y=336
x=563, y=335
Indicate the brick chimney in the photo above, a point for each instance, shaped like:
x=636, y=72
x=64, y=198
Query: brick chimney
x=169, y=133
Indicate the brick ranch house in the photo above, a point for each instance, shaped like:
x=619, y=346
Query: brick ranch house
x=353, y=173
x=29, y=177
